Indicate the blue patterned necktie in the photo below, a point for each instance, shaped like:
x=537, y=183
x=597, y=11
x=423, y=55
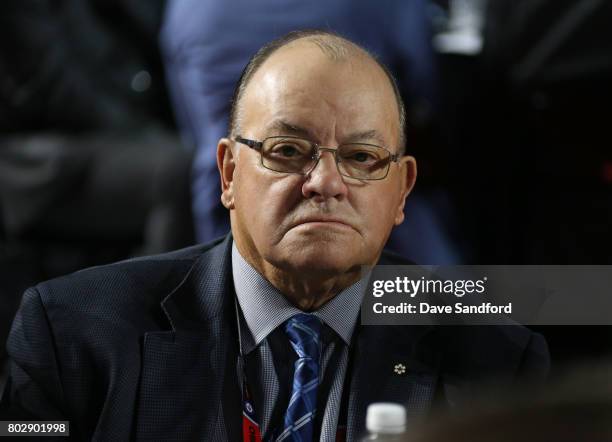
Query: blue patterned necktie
x=303, y=331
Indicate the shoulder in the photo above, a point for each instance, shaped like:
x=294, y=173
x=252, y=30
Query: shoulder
x=74, y=336
x=507, y=351
x=125, y=292
x=391, y=258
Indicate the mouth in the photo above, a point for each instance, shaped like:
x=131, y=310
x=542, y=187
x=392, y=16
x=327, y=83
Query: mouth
x=325, y=223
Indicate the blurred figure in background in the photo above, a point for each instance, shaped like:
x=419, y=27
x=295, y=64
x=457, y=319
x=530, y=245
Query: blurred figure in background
x=90, y=168
x=527, y=123
x=207, y=43
x=528, y=129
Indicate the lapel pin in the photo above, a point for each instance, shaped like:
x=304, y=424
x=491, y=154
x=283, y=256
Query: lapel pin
x=399, y=369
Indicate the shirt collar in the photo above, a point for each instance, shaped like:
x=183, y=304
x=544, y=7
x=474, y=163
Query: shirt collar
x=265, y=308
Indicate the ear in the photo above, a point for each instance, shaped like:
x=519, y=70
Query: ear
x=408, y=172
x=226, y=163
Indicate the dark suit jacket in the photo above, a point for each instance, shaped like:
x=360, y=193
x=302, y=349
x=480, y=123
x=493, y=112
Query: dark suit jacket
x=146, y=349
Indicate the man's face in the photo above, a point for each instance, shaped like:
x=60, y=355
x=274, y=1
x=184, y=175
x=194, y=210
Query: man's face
x=322, y=223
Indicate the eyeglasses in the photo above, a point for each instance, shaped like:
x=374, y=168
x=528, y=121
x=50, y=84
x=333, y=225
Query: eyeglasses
x=289, y=154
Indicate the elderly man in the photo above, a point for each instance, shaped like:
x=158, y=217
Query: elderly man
x=256, y=335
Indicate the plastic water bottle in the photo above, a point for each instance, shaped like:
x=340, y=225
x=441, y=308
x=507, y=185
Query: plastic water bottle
x=385, y=422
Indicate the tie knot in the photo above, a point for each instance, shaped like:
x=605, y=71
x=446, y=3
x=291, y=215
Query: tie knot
x=304, y=331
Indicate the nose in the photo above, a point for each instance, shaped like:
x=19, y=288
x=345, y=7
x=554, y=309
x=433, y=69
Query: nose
x=324, y=181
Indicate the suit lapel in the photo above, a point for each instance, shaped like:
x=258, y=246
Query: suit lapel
x=189, y=387
x=391, y=364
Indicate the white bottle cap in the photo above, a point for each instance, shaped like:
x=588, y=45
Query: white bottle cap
x=386, y=417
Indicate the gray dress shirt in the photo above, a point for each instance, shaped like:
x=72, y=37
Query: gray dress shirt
x=269, y=358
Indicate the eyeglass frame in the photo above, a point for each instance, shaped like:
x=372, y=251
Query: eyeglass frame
x=258, y=146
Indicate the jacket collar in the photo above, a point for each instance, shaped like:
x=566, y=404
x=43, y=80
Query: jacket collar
x=202, y=294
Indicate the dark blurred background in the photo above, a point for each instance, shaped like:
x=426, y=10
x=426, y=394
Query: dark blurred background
x=108, y=109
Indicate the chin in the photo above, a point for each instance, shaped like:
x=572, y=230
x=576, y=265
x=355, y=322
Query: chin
x=325, y=257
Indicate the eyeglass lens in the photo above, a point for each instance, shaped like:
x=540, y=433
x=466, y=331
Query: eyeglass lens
x=296, y=155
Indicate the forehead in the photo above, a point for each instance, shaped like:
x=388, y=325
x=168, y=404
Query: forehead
x=301, y=85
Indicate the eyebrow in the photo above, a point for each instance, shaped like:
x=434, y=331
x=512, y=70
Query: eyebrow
x=284, y=127
x=366, y=135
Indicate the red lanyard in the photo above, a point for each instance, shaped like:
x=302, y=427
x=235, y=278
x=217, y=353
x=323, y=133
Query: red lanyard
x=250, y=428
